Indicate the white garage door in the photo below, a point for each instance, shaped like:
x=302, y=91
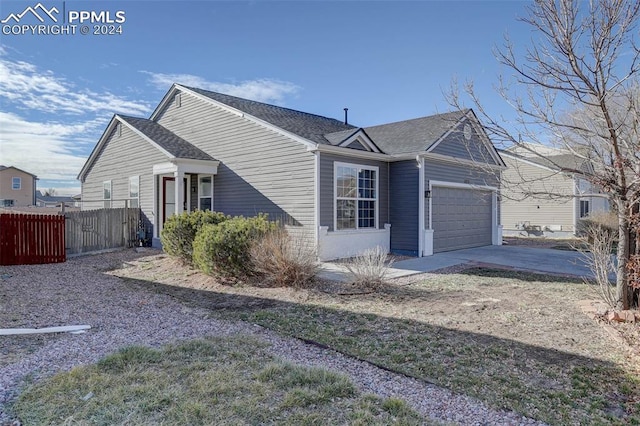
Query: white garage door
x=462, y=218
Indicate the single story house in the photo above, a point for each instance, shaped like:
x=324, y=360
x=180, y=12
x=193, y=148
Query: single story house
x=414, y=187
x=17, y=187
x=541, y=197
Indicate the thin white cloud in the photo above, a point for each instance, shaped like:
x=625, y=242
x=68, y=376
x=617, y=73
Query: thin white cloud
x=49, y=150
x=29, y=87
x=49, y=125
x=262, y=90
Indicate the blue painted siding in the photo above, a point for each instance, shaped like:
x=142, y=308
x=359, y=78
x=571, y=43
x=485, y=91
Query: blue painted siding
x=327, y=187
x=456, y=145
x=403, y=207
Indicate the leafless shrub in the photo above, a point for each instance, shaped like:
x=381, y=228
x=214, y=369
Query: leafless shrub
x=370, y=268
x=605, y=221
x=283, y=259
x=599, y=243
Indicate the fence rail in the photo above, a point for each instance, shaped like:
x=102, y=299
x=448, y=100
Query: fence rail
x=27, y=239
x=103, y=229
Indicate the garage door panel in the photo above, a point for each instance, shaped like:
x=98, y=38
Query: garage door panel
x=462, y=218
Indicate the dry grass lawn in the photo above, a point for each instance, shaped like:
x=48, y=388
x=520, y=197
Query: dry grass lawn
x=514, y=340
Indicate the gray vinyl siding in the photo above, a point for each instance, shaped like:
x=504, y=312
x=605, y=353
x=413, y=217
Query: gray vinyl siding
x=540, y=210
x=447, y=172
x=122, y=157
x=403, y=207
x=260, y=170
x=327, y=187
x=357, y=145
x=456, y=145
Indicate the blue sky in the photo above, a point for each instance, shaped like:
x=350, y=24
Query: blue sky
x=385, y=61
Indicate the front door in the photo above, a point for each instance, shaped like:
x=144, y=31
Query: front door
x=169, y=197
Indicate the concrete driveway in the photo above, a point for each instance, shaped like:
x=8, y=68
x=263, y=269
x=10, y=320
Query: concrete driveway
x=522, y=258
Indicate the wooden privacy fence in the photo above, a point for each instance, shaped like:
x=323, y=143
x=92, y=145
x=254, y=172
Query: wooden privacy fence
x=95, y=230
x=27, y=239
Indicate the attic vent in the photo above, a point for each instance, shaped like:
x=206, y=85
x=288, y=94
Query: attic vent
x=119, y=130
x=178, y=100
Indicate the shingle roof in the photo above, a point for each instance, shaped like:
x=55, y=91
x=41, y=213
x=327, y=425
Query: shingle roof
x=20, y=170
x=555, y=162
x=52, y=198
x=309, y=126
x=414, y=135
x=168, y=140
x=336, y=137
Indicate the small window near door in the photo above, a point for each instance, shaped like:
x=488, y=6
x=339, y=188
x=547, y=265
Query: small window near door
x=134, y=191
x=205, y=192
x=584, y=208
x=106, y=194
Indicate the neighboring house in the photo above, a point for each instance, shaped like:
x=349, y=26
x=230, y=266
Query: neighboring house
x=540, y=197
x=53, y=201
x=77, y=200
x=17, y=187
x=414, y=187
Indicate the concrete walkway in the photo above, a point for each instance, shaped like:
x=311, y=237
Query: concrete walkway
x=521, y=258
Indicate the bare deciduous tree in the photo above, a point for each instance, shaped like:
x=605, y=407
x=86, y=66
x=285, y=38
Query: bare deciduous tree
x=577, y=88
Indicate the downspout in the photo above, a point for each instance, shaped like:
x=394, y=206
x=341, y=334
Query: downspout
x=316, y=202
x=576, y=202
x=33, y=193
x=420, y=161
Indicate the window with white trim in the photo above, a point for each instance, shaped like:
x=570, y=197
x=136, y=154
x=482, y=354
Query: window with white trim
x=584, y=208
x=106, y=194
x=356, y=189
x=134, y=191
x=205, y=192
x=16, y=183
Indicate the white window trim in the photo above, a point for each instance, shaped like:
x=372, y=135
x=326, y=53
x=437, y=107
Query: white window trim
x=201, y=195
x=19, y=183
x=580, y=209
x=337, y=164
x=110, y=199
x=138, y=197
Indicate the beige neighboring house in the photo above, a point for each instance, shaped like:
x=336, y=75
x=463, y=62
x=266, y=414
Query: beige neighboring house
x=539, y=198
x=17, y=187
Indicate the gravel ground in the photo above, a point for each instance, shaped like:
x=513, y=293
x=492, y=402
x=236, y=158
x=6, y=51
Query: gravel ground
x=78, y=292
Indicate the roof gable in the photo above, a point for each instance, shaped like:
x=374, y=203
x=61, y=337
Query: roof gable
x=171, y=145
x=467, y=140
x=354, y=139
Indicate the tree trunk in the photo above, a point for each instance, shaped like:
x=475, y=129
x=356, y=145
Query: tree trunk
x=634, y=252
x=624, y=292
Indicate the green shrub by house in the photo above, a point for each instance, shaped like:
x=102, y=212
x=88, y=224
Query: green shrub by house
x=223, y=248
x=179, y=231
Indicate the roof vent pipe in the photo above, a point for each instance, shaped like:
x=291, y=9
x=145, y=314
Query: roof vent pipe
x=346, y=122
